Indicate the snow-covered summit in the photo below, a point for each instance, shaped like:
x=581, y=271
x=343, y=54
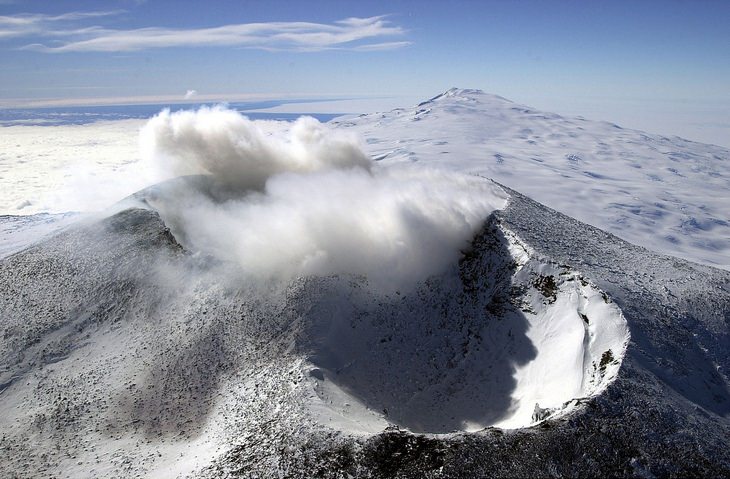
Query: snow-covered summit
x=466, y=94
x=463, y=102
x=664, y=193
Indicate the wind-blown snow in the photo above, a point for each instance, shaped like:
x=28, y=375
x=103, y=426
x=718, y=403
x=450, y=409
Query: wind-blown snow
x=579, y=335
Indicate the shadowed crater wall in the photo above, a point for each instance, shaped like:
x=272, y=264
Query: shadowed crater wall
x=497, y=341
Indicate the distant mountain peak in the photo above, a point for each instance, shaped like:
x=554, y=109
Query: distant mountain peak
x=463, y=92
x=472, y=94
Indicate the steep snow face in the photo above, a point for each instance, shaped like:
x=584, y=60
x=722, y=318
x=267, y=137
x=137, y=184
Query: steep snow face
x=580, y=337
x=666, y=194
x=517, y=339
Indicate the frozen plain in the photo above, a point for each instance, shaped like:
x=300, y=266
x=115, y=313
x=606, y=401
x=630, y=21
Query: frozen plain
x=274, y=390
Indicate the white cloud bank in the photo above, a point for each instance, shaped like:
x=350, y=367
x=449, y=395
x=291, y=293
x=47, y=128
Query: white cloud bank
x=63, y=168
x=309, y=201
x=67, y=35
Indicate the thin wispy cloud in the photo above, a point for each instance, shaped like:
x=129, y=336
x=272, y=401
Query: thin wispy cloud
x=373, y=47
x=28, y=24
x=65, y=33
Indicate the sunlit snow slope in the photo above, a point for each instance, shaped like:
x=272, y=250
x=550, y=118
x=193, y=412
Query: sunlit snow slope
x=667, y=194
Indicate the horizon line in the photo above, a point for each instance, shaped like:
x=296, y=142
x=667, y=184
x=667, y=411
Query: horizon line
x=31, y=103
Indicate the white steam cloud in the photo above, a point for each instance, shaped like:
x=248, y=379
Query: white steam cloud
x=309, y=201
x=243, y=153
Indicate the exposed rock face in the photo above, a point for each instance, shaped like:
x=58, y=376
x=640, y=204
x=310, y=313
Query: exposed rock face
x=124, y=355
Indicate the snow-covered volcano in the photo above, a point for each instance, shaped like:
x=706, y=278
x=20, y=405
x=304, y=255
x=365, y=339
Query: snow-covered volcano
x=117, y=339
x=666, y=194
x=511, y=340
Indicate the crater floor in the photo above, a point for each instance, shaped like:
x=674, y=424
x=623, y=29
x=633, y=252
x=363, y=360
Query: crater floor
x=514, y=340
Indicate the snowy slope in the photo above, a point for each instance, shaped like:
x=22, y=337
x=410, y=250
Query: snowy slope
x=667, y=194
x=146, y=348
x=126, y=356
x=19, y=232
x=522, y=343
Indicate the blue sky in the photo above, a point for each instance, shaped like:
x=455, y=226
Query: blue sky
x=623, y=59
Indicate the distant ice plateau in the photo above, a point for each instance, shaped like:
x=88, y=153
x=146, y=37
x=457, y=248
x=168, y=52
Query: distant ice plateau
x=665, y=193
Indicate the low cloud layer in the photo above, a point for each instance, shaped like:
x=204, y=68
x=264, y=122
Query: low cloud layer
x=309, y=201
